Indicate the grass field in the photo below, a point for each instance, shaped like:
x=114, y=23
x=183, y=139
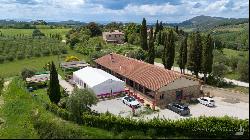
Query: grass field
x=235, y=53
x=28, y=32
x=14, y=68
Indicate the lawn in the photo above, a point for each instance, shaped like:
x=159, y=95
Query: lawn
x=14, y=68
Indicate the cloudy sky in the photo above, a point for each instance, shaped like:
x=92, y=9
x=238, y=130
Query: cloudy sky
x=121, y=10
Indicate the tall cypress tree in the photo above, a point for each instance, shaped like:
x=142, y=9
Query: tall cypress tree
x=160, y=26
x=183, y=55
x=169, y=51
x=143, y=35
x=156, y=29
x=195, y=54
x=163, y=38
x=159, y=38
x=54, y=87
x=151, y=51
x=207, y=56
x=176, y=29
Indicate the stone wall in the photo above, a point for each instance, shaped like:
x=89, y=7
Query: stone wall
x=170, y=95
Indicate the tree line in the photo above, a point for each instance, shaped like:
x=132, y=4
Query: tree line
x=196, y=56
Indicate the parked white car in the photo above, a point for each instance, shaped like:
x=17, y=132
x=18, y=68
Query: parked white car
x=130, y=101
x=207, y=101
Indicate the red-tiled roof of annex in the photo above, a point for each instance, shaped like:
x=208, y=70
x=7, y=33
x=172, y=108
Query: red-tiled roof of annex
x=145, y=74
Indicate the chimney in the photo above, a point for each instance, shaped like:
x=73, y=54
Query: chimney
x=120, y=68
x=111, y=57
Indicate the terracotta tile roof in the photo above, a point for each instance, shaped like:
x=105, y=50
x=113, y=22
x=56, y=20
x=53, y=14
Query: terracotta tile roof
x=148, y=75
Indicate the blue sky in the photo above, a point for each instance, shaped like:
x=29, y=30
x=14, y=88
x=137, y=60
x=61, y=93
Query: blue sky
x=121, y=10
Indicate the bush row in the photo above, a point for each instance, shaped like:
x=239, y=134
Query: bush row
x=206, y=127
x=59, y=111
x=51, y=129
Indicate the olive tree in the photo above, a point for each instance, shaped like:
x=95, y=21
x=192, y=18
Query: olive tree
x=79, y=102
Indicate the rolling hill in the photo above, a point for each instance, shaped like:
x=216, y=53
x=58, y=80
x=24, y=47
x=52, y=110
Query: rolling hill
x=207, y=22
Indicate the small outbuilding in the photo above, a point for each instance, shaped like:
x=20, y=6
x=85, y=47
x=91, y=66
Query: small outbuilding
x=73, y=65
x=101, y=82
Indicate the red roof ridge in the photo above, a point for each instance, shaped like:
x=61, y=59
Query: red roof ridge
x=145, y=74
x=148, y=63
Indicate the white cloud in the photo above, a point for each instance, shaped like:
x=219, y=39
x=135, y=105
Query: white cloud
x=67, y=3
x=84, y=10
x=151, y=9
x=217, y=6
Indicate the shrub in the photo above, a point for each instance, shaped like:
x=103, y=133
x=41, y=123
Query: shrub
x=29, y=56
x=27, y=73
x=132, y=135
x=55, y=52
x=2, y=58
x=10, y=57
x=79, y=102
x=37, y=54
x=46, y=52
x=219, y=69
x=218, y=81
x=202, y=127
x=59, y=111
x=243, y=69
x=1, y=86
x=71, y=58
x=20, y=56
x=64, y=51
x=48, y=128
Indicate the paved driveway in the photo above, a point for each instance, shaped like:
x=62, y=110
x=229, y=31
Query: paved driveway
x=114, y=106
x=69, y=88
x=222, y=108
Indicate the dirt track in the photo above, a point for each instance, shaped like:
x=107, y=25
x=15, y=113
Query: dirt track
x=228, y=95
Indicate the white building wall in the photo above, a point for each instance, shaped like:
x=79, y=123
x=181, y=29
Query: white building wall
x=102, y=88
x=107, y=86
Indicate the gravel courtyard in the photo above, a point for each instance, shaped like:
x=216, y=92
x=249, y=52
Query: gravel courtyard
x=114, y=106
x=222, y=107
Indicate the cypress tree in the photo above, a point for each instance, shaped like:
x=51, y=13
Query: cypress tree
x=207, y=56
x=183, y=55
x=156, y=29
x=159, y=38
x=176, y=29
x=160, y=26
x=143, y=36
x=163, y=38
x=169, y=51
x=151, y=51
x=195, y=54
x=54, y=87
x=164, y=53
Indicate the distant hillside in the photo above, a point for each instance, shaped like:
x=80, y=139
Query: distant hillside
x=207, y=22
x=69, y=22
x=234, y=36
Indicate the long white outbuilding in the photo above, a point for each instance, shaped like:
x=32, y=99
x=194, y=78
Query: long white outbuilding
x=101, y=82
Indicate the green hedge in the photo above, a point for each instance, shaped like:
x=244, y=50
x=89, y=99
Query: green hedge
x=50, y=129
x=59, y=111
x=202, y=127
